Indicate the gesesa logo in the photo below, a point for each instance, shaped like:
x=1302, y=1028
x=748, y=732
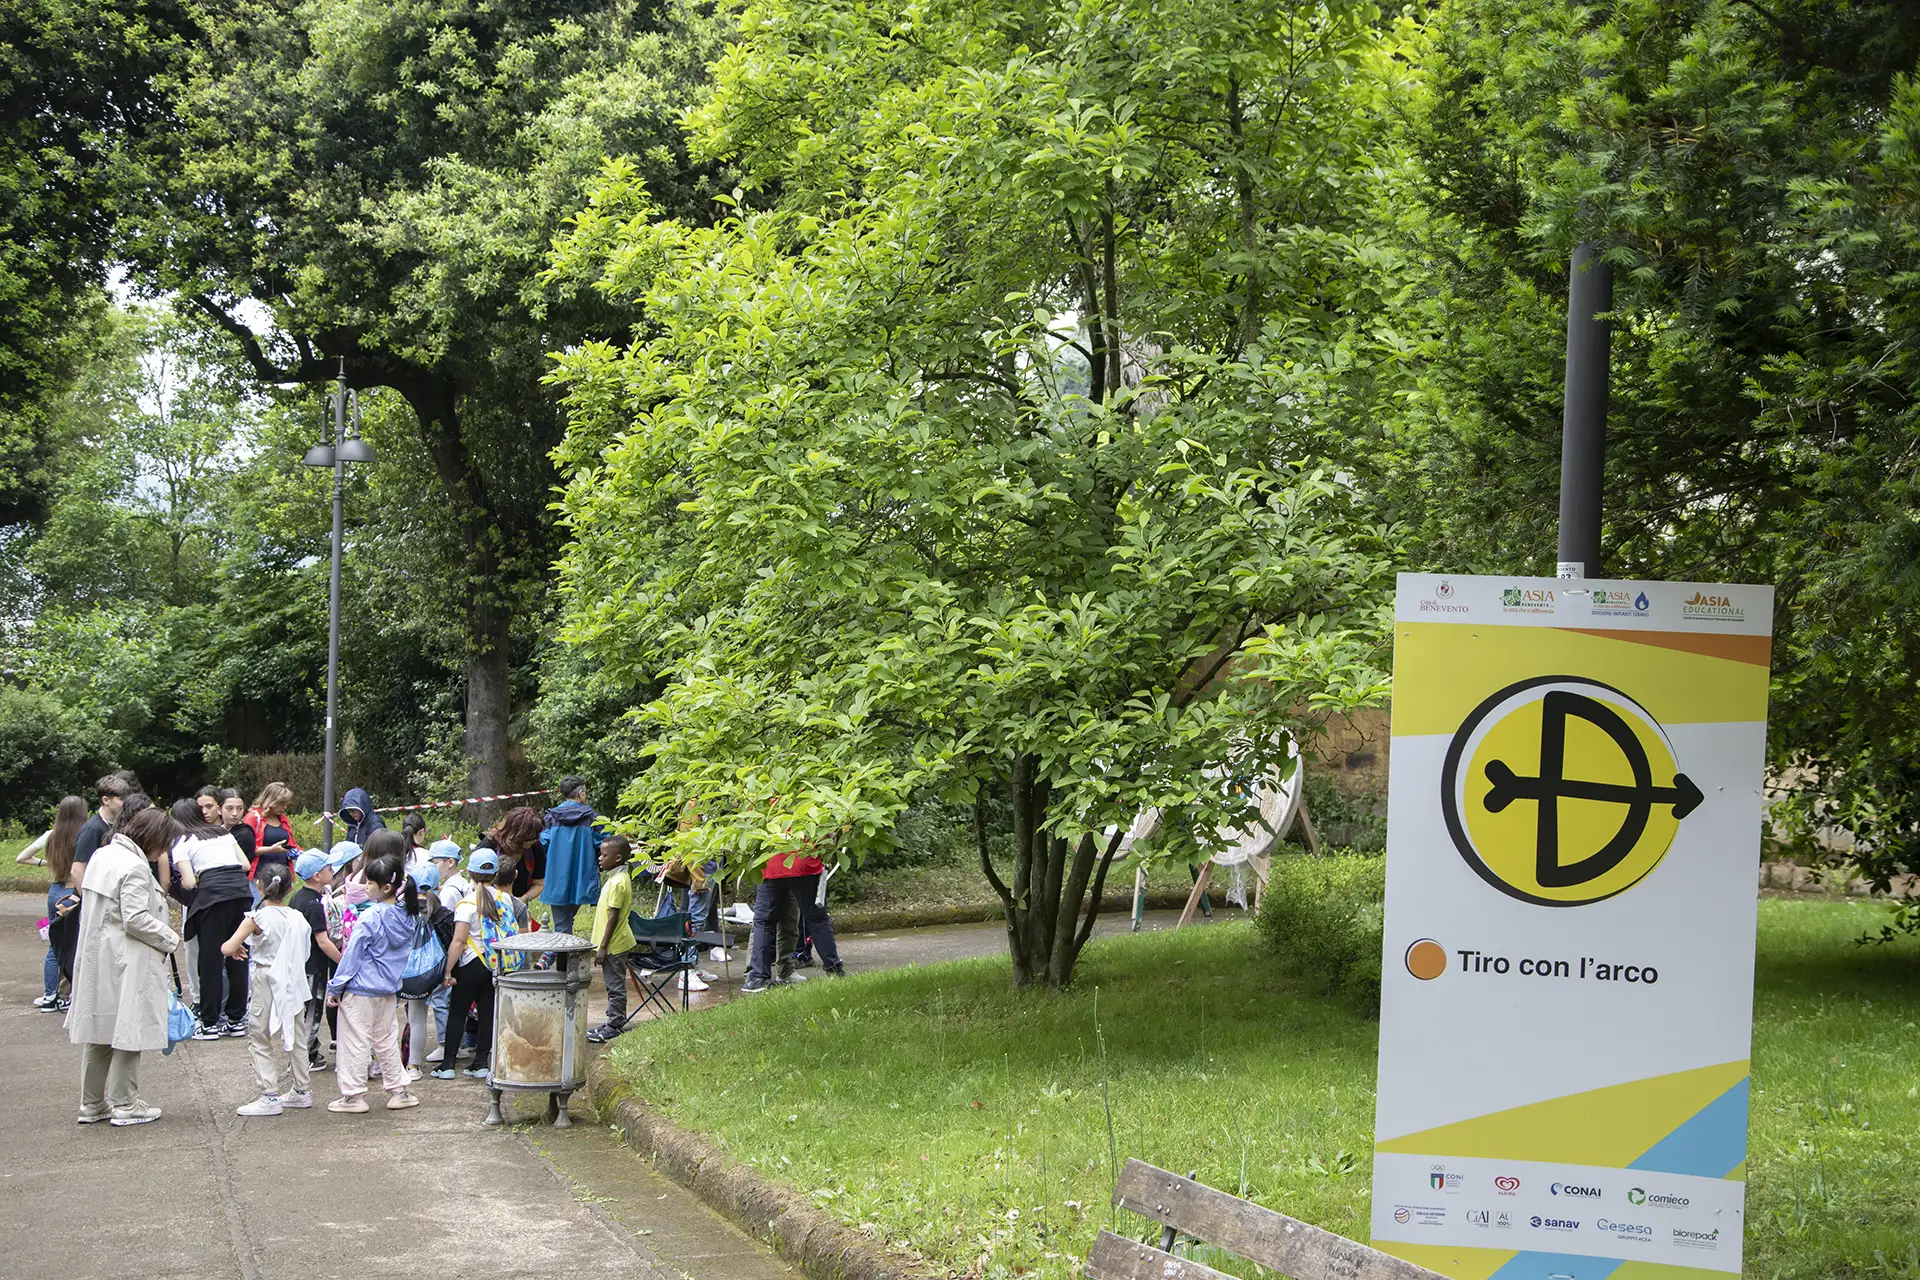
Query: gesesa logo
x=1556, y=1224
x=1575, y=1191
x=1625, y=1230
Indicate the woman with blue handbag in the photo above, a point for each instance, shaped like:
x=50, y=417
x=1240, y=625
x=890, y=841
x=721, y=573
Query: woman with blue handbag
x=119, y=979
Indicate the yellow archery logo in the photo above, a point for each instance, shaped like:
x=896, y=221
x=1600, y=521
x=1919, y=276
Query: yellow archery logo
x=1563, y=791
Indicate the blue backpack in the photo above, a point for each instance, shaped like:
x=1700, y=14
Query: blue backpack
x=426, y=963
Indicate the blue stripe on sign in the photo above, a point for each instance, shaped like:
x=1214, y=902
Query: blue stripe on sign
x=1556, y=1266
x=1710, y=1145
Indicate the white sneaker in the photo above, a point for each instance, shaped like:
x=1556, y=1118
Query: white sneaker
x=299, y=1100
x=719, y=955
x=373, y=1072
x=706, y=975
x=437, y=1055
x=690, y=982
x=415, y=1073
x=139, y=1113
x=264, y=1105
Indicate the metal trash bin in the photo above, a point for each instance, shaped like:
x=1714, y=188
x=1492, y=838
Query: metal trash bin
x=540, y=1023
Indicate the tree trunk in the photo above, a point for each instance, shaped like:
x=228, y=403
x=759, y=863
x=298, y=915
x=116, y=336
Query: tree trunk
x=489, y=618
x=1055, y=897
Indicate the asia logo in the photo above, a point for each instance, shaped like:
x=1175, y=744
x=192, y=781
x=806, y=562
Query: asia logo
x=1614, y=602
x=1526, y=600
x=1713, y=608
x=1506, y=1185
x=1563, y=791
x=1577, y=1192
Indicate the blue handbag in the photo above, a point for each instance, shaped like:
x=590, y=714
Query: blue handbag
x=179, y=1017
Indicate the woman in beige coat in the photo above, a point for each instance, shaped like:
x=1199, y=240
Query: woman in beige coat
x=119, y=971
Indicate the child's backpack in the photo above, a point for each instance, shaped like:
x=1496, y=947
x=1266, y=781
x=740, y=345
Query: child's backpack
x=340, y=917
x=426, y=962
x=492, y=931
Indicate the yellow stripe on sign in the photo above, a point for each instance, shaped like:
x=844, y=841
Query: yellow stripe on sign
x=1663, y=1271
x=1443, y=670
x=1609, y=1128
x=1455, y=1260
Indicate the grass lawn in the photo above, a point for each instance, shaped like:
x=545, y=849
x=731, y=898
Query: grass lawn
x=944, y=1112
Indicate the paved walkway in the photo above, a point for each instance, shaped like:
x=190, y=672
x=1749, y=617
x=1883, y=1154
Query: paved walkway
x=428, y=1192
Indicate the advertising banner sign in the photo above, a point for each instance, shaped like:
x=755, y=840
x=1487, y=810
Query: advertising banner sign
x=1573, y=839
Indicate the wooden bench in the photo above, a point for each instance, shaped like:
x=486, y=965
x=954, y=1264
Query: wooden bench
x=1273, y=1240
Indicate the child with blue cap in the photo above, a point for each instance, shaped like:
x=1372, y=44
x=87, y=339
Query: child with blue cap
x=315, y=870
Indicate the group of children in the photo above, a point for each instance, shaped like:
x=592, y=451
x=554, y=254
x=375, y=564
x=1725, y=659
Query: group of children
x=366, y=932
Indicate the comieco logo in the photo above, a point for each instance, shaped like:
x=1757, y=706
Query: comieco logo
x=1637, y=1196
x=1562, y=791
x=1577, y=1192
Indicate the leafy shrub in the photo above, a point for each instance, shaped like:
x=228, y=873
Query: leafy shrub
x=45, y=753
x=1322, y=918
x=1357, y=821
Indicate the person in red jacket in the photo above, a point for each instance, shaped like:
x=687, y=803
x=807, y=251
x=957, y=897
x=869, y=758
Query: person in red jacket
x=789, y=877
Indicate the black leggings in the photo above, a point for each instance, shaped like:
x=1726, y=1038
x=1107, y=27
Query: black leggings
x=214, y=924
x=472, y=985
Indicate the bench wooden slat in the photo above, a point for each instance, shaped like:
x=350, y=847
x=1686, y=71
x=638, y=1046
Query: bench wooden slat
x=1275, y=1241
x=1118, y=1258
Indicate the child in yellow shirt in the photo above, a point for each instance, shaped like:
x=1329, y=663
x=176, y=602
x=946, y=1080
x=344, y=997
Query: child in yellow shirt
x=613, y=943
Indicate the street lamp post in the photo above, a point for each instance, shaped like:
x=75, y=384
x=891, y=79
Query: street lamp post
x=336, y=449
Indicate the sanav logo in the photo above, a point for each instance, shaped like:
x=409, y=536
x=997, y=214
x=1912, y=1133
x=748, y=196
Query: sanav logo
x=1556, y=1224
x=1575, y=1191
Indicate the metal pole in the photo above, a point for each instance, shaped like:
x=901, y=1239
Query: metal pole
x=333, y=601
x=1583, y=432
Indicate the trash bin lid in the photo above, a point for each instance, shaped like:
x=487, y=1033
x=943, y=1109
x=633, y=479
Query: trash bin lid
x=544, y=940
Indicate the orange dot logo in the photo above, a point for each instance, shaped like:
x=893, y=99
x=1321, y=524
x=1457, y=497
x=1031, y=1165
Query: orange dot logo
x=1426, y=959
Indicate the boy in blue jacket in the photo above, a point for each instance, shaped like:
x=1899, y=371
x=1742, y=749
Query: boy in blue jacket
x=571, y=838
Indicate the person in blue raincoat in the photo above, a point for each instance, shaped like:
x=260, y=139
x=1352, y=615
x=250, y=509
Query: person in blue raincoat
x=570, y=838
x=356, y=812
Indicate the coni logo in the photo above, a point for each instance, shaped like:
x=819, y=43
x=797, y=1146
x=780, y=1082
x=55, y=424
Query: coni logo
x=1562, y=791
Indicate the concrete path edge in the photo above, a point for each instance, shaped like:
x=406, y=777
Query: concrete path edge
x=819, y=1244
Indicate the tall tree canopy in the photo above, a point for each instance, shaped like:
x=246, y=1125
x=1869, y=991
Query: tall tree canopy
x=991, y=448
x=383, y=180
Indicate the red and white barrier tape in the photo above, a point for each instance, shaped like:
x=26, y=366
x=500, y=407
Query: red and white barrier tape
x=450, y=804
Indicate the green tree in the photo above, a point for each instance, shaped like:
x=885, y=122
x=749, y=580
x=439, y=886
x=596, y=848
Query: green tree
x=76, y=83
x=996, y=455
x=383, y=180
x=1750, y=171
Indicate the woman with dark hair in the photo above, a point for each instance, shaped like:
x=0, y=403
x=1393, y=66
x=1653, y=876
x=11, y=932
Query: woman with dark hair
x=119, y=976
x=210, y=866
x=208, y=798
x=523, y=862
x=62, y=896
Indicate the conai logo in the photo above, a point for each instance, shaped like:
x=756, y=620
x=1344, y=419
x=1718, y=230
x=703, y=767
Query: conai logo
x=1578, y=1193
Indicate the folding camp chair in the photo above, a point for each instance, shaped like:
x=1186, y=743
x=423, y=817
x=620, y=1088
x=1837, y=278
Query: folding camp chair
x=668, y=933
